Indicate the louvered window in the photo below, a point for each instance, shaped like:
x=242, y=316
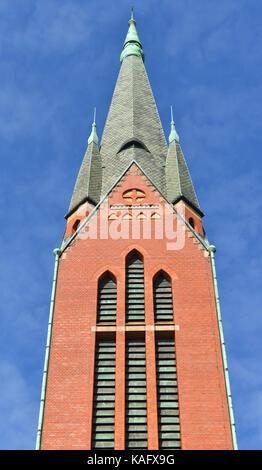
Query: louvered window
x=136, y=408
x=167, y=398
x=104, y=396
x=106, y=305
x=163, y=303
x=135, y=308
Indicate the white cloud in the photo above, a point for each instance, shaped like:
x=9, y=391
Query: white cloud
x=47, y=27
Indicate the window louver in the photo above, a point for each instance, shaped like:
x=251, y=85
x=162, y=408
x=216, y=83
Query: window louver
x=136, y=403
x=167, y=398
x=135, y=308
x=106, y=306
x=163, y=304
x=104, y=396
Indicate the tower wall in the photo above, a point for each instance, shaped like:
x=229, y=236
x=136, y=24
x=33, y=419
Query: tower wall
x=203, y=410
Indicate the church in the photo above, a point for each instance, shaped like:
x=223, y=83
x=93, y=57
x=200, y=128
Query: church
x=135, y=355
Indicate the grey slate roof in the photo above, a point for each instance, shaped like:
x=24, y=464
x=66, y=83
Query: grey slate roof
x=88, y=183
x=178, y=181
x=133, y=116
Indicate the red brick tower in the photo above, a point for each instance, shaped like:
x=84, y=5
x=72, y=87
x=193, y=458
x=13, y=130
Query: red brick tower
x=135, y=356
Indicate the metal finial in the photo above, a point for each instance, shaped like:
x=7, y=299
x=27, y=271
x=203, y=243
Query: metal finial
x=173, y=133
x=93, y=136
x=172, y=119
x=132, y=44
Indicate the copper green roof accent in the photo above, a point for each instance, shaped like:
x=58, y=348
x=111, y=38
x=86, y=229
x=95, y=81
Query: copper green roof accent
x=132, y=44
x=212, y=250
x=173, y=133
x=57, y=253
x=93, y=136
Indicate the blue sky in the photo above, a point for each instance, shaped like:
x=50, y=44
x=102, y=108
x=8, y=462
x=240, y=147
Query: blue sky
x=58, y=61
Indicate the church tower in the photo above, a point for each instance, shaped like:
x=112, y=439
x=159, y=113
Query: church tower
x=135, y=355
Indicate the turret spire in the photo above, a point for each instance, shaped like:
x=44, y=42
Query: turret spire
x=132, y=44
x=93, y=136
x=173, y=133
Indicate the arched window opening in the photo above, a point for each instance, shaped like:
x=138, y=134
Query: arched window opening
x=75, y=226
x=163, y=302
x=135, y=303
x=133, y=144
x=107, y=295
x=192, y=222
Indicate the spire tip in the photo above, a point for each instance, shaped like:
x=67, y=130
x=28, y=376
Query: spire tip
x=93, y=136
x=173, y=133
x=171, y=108
x=132, y=44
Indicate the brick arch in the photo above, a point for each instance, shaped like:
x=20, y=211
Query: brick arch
x=132, y=253
x=164, y=273
x=107, y=272
x=113, y=270
x=134, y=247
x=166, y=269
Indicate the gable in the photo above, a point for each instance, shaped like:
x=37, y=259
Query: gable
x=134, y=208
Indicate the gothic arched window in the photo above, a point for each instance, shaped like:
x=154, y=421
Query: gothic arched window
x=106, y=302
x=163, y=302
x=135, y=304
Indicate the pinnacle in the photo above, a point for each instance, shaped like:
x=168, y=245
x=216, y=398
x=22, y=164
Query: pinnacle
x=173, y=133
x=93, y=136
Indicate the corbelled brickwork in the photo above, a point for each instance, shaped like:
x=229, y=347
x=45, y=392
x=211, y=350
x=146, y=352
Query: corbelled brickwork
x=203, y=410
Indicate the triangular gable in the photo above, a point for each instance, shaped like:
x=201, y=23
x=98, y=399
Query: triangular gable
x=133, y=171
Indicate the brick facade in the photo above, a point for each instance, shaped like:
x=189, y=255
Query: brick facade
x=203, y=409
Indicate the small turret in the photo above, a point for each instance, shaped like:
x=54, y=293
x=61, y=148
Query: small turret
x=89, y=179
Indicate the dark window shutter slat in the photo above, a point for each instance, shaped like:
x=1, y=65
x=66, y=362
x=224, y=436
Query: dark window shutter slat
x=135, y=307
x=104, y=396
x=163, y=302
x=106, y=302
x=167, y=398
x=136, y=404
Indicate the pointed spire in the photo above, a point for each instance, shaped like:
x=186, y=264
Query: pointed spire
x=132, y=44
x=93, y=136
x=173, y=133
x=178, y=180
